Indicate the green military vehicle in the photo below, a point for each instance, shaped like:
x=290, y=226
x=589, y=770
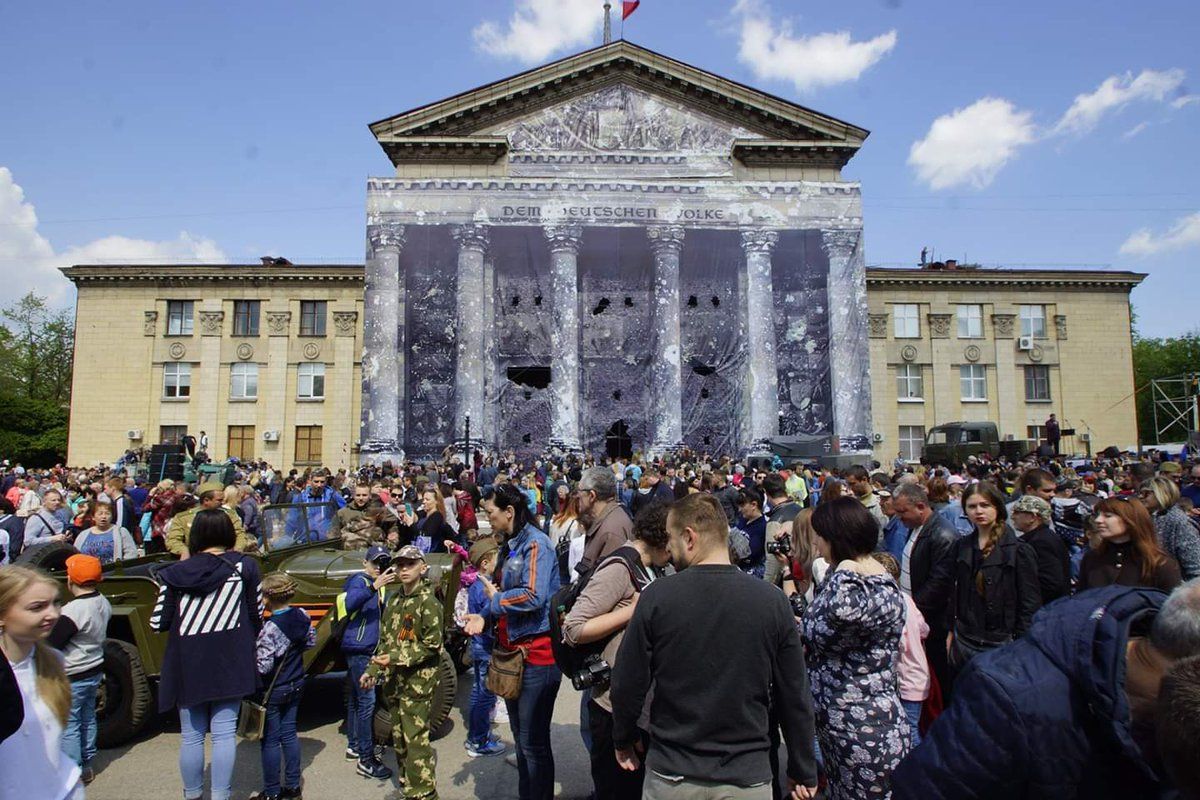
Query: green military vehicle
x=293, y=541
x=952, y=443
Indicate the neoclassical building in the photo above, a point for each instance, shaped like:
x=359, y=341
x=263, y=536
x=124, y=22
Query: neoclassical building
x=613, y=246
x=612, y=252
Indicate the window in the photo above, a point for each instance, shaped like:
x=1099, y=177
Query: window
x=245, y=317
x=973, y=378
x=1033, y=321
x=243, y=381
x=912, y=442
x=171, y=434
x=241, y=442
x=1035, y=432
x=970, y=322
x=179, y=317
x=177, y=380
x=312, y=318
x=909, y=384
x=1037, y=383
x=906, y=321
x=311, y=382
x=308, y=444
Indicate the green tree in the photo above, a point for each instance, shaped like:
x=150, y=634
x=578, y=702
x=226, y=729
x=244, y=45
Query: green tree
x=1162, y=358
x=37, y=346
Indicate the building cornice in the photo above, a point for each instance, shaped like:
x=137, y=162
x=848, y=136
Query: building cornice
x=194, y=273
x=1102, y=279
x=781, y=152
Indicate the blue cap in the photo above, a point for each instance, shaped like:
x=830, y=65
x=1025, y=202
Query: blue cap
x=376, y=551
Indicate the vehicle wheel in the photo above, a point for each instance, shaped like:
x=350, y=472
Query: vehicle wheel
x=50, y=556
x=439, y=709
x=123, y=701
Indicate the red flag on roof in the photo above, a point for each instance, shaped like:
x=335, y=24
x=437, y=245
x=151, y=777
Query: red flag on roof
x=628, y=7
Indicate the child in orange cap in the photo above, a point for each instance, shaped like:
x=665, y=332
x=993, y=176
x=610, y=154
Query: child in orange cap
x=79, y=634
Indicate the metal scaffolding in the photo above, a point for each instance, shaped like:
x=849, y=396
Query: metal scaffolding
x=1176, y=406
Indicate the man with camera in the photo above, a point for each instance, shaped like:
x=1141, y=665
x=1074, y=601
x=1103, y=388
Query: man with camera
x=783, y=509
x=598, y=619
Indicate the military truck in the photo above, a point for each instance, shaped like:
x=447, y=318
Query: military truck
x=294, y=540
x=952, y=443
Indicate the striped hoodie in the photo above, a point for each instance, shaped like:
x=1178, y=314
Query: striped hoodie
x=212, y=608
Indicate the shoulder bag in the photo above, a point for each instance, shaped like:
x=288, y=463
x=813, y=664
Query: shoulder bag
x=253, y=716
x=505, y=672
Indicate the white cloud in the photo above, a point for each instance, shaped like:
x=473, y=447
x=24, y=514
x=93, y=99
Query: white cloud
x=1184, y=233
x=1116, y=92
x=1135, y=130
x=970, y=145
x=774, y=52
x=30, y=262
x=540, y=28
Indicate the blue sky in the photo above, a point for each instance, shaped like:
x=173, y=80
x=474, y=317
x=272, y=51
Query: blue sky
x=1013, y=134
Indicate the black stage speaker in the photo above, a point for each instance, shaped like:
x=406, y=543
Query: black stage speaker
x=166, y=462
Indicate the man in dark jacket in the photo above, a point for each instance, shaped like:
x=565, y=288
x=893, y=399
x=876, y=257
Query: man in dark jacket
x=1065, y=712
x=1031, y=520
x=927, y=569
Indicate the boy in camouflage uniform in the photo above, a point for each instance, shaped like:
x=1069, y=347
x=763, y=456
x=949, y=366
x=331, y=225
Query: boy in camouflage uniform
x=406, y=661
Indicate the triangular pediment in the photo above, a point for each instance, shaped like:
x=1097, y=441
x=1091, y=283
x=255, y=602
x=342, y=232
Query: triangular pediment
x=616, y=97
x=621, y=117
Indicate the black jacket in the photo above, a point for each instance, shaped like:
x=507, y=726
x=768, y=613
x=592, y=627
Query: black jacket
x=931, y=569
x=1010, y=589
x=1053, y=562
x=12, y=708
x=1045, y=718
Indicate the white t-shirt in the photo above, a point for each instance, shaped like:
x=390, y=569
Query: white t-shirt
x=906, y=561
x=32, y=763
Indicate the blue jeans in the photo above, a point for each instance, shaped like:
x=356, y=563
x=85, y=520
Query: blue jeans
x=479, y=719
x=529, y=716
x=218, y=718
x=360, y=708
x=79, y=738
x=279, y=738
x=912, y=710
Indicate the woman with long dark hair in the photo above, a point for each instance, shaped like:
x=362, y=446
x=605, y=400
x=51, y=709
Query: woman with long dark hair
x=852, y=632
x=519, y=608
x=212, y=607
x=996, y=589
x=1127, y=552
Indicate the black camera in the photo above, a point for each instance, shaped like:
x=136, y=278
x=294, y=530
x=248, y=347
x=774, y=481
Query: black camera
x=595, y=671
x=799, y=604
x=782, y=546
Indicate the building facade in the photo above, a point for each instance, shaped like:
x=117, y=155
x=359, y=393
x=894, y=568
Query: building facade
x=249, y=354
x=615, y=247
x=264, y=359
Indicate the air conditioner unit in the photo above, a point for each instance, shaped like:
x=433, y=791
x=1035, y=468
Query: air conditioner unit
x=1025, y=343
x=270, y=436
x=878, y=437
x=1087, y=437
x=133, y=435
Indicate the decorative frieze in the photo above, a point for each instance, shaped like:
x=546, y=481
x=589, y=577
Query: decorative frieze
x=877, y=326
x=210, y=322
x=1003, y=325
x=278, y=322
x=345, y=322
x=939, y=325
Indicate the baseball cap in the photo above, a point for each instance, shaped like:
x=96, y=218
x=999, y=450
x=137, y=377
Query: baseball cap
x=410, y=553
x=1032, y=504
x=376, y=552
x=956, y=480
x=82, y=570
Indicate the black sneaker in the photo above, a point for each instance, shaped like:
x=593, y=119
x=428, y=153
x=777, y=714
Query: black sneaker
x=290, y=794
x=374, y=769
x=351, y=755
x=263, y=796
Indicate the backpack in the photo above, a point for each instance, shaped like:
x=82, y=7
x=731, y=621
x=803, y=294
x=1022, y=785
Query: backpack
x=341, y=617
x=570, y=659
x=465, y=510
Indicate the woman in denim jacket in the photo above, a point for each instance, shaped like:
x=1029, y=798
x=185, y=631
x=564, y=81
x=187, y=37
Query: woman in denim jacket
x=520, y=610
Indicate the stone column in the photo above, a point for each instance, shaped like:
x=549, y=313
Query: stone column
x=849, y=351
x=489, y=432
x=383, y=348
x=471, y=333
x=666, y=382
x=761, y=378
x=564, y=336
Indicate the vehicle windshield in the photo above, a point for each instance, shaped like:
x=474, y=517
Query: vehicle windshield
x=290, y=524
x=937, y=436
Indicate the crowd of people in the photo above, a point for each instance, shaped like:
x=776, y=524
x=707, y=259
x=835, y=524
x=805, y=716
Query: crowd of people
x=998, y=628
